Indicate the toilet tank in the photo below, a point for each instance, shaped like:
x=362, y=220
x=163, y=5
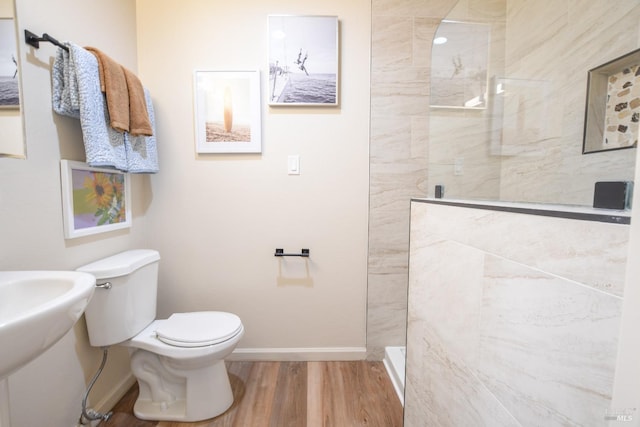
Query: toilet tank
x=117, y=314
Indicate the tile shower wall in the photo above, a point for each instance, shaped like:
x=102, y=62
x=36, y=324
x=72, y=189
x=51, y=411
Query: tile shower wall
x=402, y=32
x=461, y=155
x=513, y=319
x=401, y=40
x=544, y=153
x=527, y=144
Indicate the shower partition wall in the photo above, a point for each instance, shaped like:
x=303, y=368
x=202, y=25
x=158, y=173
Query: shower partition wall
x=518, y=140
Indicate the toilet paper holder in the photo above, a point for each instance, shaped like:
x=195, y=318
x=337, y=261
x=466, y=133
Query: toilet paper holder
x=303, y=253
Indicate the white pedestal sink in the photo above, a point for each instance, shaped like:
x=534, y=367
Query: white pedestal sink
x=36, y=309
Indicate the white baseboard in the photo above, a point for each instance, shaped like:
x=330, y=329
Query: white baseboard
x=298, y=354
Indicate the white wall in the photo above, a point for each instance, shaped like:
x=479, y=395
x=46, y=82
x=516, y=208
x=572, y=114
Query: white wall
x=31, y=235
x=216, y=219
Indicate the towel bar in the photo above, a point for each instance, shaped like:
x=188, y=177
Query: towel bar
x=303, y=253
x=33, y=40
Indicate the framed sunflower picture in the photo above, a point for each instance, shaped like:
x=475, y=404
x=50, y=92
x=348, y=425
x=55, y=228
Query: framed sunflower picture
x=94, y=200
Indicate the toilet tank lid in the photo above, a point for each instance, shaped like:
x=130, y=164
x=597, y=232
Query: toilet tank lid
x=121, y=264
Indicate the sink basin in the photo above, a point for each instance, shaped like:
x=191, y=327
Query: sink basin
x=36, y=309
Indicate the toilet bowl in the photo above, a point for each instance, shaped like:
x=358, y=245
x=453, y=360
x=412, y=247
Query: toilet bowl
x=179, y=361
x=184, y=356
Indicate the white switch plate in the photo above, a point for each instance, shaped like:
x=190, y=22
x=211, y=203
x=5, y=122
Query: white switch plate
x=293, y=165
x=458, y=166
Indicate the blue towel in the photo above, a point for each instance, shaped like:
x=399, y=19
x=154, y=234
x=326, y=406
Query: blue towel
x=142, y=153
x=65, y=89
x=77, y=93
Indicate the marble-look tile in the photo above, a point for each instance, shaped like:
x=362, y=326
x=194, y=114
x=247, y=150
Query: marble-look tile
x=585, y=34
x=392, y=142
x=423, y=32
x=420, y=8
x=448, y=297
x=494, y=341
x=548, y=345
x=441, y=390
x=536, y=23
x=391, y=40
x=386, y=312
x=387, y=261
x=419, y=140
x=592, y=253
x=484, y=187
x=466, y=135
x=399, y=92
x=487, y=10
x=396, y=81
x=400, y=60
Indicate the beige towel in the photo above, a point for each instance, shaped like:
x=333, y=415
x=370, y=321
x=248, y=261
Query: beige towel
x=139, y=123
x=125, y=96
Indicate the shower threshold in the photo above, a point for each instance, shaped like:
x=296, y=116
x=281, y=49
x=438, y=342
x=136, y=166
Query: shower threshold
x=394, y=360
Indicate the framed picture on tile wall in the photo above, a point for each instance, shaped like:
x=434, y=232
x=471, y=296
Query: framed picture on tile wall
x=94, y=200
x=612, y=111
x=9, y=88
x=303, y=61
x=227, y=111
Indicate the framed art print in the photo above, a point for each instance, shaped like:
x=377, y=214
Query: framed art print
x=227, y=111
x=303, y=60
x=94, y=200
x=9, y=87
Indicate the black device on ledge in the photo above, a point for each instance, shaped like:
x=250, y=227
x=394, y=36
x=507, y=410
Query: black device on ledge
x=613, y=195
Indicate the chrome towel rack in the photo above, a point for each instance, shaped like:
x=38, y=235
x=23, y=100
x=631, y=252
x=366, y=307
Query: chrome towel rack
x=303, y=253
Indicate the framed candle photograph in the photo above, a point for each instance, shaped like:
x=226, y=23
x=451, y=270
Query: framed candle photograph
x=227, y=111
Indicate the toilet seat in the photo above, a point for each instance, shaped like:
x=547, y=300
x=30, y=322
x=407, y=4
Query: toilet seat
x=198, y=329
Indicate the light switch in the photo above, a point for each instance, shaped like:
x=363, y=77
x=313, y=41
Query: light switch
x=293, y=165
x=458, y=166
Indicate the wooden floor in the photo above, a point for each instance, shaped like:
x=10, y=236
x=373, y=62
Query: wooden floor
x=295, y=394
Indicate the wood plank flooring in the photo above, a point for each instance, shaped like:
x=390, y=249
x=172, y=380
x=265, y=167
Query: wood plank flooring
x=294, y=394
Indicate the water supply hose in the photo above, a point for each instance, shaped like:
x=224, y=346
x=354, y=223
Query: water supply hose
x=89, y=415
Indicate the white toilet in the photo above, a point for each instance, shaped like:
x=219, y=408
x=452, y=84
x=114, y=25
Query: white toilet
x=179, y=361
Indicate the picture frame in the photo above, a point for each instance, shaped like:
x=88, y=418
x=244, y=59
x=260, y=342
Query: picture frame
x=9, y=78
x=227, y=111
x=303, y=60
x=612, y=111
x=94, y=200
x=460, y=63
